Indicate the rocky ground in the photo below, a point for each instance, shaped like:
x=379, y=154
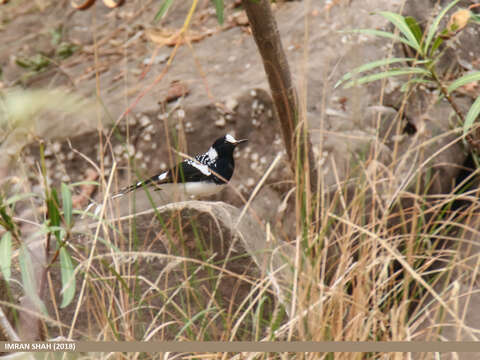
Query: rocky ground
x=216, y=85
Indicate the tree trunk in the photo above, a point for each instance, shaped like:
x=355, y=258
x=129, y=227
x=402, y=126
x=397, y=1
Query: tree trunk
x=284, y=95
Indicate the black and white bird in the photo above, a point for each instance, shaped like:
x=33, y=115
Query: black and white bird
x=204, y=175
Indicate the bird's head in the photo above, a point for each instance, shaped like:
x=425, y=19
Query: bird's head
x=226, y=144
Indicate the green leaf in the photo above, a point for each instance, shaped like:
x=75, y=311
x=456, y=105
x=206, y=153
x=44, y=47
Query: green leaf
x=465, y=79
x=28, y=278
x=6, y=255
x=39, y=62
x=370, y=66
x=68, y=277
x=219, y=10
x=399, y=22
x=386, y=74
x=414, y=28
x=85, y=182
x=24, y=63
x=53, y=212
x=438, y=41
x=472, y=115
x=191, y=321
x=26, y=270
x=19, y=197
x=163, y=10
x=416, y=81
x=7, y=223
x=56, y=34
x=67, y=204
x=380, y=33
x=65, y=50
x=434, y=26
x=46, y=229
x=475, y=18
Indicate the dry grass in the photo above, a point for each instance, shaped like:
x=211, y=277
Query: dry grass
x=374, y=258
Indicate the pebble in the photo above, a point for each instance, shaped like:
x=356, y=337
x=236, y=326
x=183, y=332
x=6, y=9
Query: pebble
x=48, y=151
x=117, y=149
x=231, y=104
x=189, y=127
x=157, y=60
x=56, y=146
x=181, y=114
x=145, y=120
x=150, y=129
x=130, y=150
x=30, y=160
x=220, y=122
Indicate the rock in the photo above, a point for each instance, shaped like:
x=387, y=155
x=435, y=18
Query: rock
x=220, y=122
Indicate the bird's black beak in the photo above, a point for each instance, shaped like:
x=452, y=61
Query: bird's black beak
x=240, y=141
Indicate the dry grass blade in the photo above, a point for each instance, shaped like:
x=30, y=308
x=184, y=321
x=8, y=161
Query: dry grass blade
x=92, y=251
x=258, y=187
x=412, y=272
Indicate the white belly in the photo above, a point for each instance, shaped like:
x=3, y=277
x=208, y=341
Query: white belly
x=193, y=188
x=202, y=188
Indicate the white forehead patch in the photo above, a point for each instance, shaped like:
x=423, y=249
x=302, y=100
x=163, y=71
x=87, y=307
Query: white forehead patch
x=212, y=154
x=230, y=139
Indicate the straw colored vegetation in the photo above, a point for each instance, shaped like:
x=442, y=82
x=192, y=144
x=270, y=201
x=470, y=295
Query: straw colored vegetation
x=377, y=256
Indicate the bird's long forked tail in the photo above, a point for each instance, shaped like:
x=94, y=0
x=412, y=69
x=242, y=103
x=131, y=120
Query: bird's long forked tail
x=120, y=193
x=133, y=187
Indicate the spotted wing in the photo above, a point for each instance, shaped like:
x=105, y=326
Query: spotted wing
x=190, y=171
